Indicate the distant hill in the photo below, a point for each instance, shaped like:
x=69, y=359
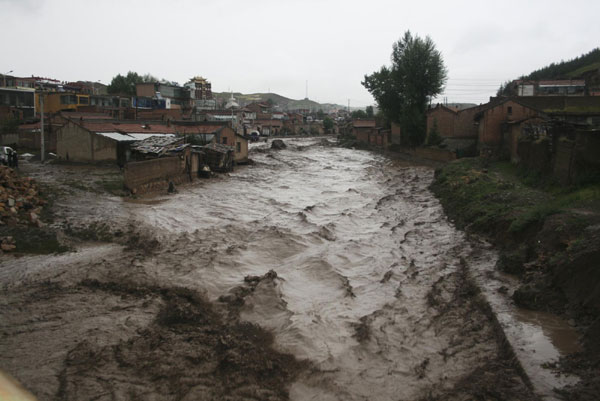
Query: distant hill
x=586, y=66
x=579, y=67
x=282, y=102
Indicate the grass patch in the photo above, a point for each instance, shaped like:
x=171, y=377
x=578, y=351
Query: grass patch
x=503, y=196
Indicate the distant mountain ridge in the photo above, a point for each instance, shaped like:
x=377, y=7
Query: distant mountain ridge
x=283, y=102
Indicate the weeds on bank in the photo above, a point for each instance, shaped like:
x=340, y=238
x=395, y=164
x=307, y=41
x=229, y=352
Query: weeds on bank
x=483, y=195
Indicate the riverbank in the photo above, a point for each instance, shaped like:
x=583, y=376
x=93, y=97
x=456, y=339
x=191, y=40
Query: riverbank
x=548, y=236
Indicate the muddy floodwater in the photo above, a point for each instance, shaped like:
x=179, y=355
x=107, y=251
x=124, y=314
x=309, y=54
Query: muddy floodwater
x=344, y=256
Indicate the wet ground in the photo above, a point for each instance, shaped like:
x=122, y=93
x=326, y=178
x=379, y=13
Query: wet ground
x=318, y=273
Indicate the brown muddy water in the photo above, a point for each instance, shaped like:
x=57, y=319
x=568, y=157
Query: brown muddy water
x=372, y=289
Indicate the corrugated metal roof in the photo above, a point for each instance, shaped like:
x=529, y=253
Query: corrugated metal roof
x=117, y=136
x=143, y=136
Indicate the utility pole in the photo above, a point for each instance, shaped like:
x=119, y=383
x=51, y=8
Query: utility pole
x=42, y=144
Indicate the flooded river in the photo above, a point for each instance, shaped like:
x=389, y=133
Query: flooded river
x=370, y=285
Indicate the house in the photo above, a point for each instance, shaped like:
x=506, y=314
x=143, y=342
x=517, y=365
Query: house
x=453, y=122
x=491, y=118
x=566, y=87
x=55, y=102
x=217, y=157
x=361, y=129
x=214, y=132
x=258, y=107
x=497, y=120
x=85, y=141
x=268, y=126
x=18, y=102
x=201, y=96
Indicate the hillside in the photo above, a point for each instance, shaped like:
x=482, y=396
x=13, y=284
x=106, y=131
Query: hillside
x=578, y=67
x=586, y=66
x=283, y=102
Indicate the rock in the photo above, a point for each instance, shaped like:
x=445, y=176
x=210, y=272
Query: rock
x=7, y=247
x=278, y=144
x=11, y=202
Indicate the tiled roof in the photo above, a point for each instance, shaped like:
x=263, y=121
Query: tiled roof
x=199, y=129
x=129, y=127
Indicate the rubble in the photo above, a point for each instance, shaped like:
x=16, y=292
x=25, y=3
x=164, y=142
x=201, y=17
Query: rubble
x=20, y=201
x=278, y=144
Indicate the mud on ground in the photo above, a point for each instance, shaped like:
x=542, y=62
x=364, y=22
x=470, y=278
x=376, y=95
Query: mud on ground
x=125, y=340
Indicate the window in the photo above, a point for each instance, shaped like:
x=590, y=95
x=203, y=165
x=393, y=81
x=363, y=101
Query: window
x=224, y=140
x=68, y=99
x=509, y=110
x=83, y=100
x=238, y=147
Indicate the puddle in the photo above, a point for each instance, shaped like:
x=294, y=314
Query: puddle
x=539, y=339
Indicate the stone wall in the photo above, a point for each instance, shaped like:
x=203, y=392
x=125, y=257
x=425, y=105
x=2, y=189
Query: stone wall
x=155, y=174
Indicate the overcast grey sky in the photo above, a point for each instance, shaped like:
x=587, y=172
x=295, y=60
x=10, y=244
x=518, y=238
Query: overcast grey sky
x=253, y=46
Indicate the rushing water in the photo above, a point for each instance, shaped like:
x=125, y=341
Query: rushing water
x=360, y=247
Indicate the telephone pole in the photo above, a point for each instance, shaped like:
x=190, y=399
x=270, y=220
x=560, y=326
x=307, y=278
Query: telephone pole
x=42, y=144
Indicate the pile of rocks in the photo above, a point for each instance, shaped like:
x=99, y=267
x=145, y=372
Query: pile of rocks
x=20, y=201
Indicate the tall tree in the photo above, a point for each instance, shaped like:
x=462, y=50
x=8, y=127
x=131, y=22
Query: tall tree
x=125, y=85
x=404, y=89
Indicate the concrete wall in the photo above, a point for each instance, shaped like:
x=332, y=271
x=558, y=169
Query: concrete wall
x=103, y=149
x=74, y=143
x=241, y=155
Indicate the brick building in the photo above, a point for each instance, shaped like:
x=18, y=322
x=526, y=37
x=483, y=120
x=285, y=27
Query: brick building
x=453, y=123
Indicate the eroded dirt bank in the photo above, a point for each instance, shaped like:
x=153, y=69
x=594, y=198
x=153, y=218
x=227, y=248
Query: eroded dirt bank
x=317, y=273
x=548, y=240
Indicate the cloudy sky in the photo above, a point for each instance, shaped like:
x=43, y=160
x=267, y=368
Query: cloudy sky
x=278, y=45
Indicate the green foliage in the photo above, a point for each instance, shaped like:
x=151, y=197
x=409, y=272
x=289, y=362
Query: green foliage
x=434, y=138
x=565, y=68
x=125, y=85
x=328, y=124
x=359, y=114
x=369, y=111
x=403, y=90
